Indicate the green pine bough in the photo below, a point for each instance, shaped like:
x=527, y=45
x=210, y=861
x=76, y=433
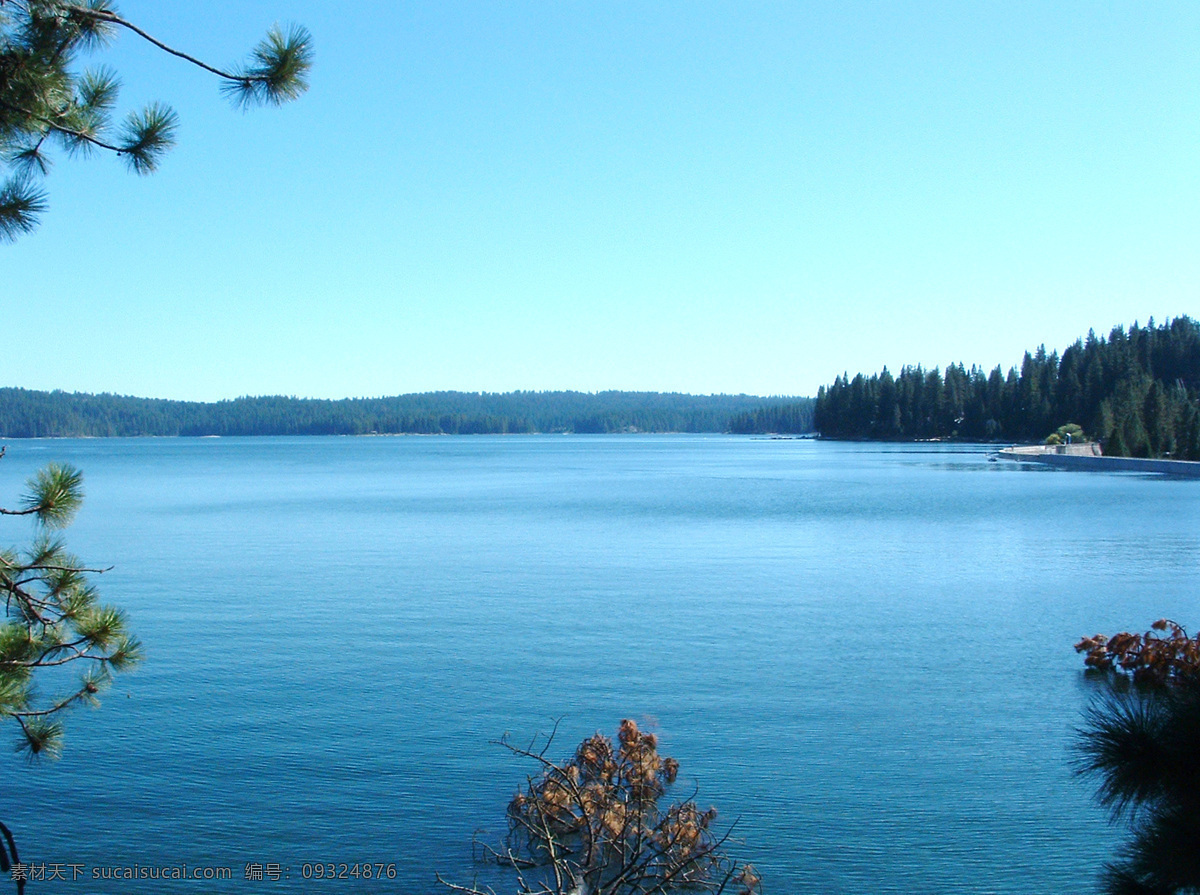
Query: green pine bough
x=45, y=102
x=53, y=618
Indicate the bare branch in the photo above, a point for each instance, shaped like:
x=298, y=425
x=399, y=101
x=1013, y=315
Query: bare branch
x=107, y=16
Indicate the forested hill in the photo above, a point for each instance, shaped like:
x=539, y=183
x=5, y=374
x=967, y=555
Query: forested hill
x=25, y=414
x=1138, y=392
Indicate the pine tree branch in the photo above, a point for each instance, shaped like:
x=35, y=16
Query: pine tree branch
x=70, y=132
x=88, y=689
x=41, y=568
x=106, y=16
x=76, y=654
x=5, y=862
x=73, y=648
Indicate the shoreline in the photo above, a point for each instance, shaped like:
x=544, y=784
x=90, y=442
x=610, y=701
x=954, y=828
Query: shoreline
x=1095, y=462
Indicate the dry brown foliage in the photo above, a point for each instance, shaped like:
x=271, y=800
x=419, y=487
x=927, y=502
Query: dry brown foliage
x=594, y=825
x=1163, y=654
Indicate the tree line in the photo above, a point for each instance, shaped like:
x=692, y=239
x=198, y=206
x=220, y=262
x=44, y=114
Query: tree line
x=1137, y=391
x=786, y=418
x=26, y=413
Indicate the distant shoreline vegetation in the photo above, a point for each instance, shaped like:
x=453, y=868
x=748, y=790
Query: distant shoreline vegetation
x=1137, y=392
x=26, y=413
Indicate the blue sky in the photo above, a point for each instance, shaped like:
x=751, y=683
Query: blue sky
x=704, y=197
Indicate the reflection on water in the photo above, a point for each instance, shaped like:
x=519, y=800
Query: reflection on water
x=862, y=653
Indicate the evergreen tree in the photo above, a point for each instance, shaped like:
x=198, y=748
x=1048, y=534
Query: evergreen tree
x=53, y=619
x=1141, y=745
x=1138, y=392
x=45, y=101
x=25, y=413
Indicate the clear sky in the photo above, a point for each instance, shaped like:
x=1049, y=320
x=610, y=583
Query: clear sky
x=671, y=196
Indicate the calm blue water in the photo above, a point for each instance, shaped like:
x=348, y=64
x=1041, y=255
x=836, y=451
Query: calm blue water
x=861, y=652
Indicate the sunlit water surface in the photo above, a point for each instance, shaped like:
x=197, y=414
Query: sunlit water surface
x=860, y=653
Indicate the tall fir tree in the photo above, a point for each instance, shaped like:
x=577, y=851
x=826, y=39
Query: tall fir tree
x=1138, y=391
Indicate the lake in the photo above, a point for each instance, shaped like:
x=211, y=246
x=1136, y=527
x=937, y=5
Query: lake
x=861, y=653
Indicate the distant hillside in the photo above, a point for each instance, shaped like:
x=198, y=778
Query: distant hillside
x=1138, y=392
x=28, y=414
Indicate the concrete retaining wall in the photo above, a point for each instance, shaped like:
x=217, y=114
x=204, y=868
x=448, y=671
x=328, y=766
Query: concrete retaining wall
x=1037, y=454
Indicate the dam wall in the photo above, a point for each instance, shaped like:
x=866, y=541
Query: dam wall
x=1088, y=457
